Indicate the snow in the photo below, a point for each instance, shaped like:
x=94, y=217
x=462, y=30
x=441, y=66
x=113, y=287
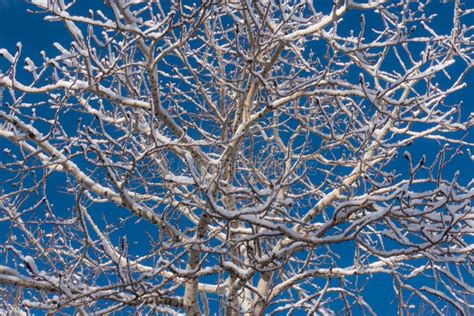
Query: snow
x=328, y=207
x=12, y=311
x=471, y=156
x=30, y=66
x=179, y=179
x=30, y=262
x=5, y=54
x=40, y=3
x=8, y=271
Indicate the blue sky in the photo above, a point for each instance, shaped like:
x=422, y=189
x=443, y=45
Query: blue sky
x=36, y=35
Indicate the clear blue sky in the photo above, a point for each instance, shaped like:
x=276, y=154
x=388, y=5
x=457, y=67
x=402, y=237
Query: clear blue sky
x=36, y=35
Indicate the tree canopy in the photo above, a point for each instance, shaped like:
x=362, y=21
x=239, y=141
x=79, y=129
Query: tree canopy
x=239, y=157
